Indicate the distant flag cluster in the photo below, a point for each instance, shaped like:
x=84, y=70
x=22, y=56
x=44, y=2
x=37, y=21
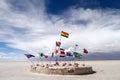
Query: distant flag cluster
x=63, y=53
x=60, y=51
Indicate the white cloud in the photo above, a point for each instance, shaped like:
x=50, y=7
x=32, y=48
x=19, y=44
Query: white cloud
x=32, y=30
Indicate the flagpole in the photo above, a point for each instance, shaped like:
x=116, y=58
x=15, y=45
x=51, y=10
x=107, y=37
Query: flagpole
x=74, y=59
x=58, y=47
x=60, y=37
x=55, y=51
x=60, y=41
x=40, y=58
x=41, y=61
x=31, y=62
x=74, y=51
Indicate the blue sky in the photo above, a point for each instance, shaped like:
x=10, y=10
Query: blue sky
x=32, y=26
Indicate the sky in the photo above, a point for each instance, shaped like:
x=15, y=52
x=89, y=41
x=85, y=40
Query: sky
x=33, y=26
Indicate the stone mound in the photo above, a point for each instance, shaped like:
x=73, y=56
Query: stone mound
x=64, y=69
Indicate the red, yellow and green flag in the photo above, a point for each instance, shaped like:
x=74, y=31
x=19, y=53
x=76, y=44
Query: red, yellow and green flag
x=64, y=34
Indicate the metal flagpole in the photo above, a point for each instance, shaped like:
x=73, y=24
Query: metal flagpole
x=74, y=53
x=60, y=36
x=41, y=61
x=31, y=61
x=60, y=45
x=55, y=52
x=60, y=41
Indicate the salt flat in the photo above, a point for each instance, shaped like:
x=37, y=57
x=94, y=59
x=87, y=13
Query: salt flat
x=105, y=70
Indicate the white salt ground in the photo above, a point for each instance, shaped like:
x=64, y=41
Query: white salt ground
x=105, y=70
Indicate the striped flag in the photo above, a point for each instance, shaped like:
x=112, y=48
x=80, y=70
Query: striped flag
x=64, y=34
x=62, y=53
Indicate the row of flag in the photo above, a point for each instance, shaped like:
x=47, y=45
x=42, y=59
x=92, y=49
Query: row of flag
x=69, y=53
x=40, y=55
x=62, y=54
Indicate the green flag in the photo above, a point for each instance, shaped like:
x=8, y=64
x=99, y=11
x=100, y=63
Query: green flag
x=77, y=55
x=41, y=54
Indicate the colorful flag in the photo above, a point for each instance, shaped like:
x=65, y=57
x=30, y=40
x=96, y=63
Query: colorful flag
x=29, y=55
x=69, y=54
x=62, y=53
x=52, y=54
x=62, y=49
x=64, y=34
x=58, y=43
x=78, y=55
x=85, y=51
x=41, y=54
x=46, y=56
x=56, y=51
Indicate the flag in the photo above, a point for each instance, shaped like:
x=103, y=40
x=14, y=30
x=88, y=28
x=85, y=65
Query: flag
x=76, y=45
x=64, y=34
x=77, y=55
x=52, y=54
x=46, y=56
x=56, y=51
x=62, y=53
x=58, y=43
x=62, y=49
x=41, y=54
x=29, y=55
x=85, y=51
x=69, y=54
